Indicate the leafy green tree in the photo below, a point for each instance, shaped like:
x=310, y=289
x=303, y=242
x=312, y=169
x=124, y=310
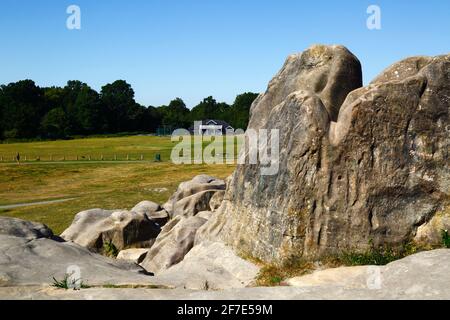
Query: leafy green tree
x=88, y=112
x=240, y=110
x=54, y=124
x=2, y=117
x=118, y=100
x=175, y=115
x=209, y=108
x=83, y=109
x=54, y=97
x=22, y=108
x=152, y=119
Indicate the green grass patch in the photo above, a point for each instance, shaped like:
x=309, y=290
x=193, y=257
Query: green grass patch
x=132, y=286
x=275, y=274
x=66, y=283
x=110, y=250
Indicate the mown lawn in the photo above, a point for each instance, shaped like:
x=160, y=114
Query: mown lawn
x=108, y=185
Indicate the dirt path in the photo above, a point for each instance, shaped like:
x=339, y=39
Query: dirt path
x=18, y=205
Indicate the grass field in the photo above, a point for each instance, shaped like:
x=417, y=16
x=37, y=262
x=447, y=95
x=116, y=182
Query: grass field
x=109, y=185
x=133, y=146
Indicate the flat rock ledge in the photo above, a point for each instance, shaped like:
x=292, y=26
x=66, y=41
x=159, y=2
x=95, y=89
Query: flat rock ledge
x=422, y=276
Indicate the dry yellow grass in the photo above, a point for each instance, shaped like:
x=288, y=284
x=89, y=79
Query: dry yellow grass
x=109, y=185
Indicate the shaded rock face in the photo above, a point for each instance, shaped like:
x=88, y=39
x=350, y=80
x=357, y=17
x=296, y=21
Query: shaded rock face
x=24, y=229
x=124, y=229
x=430, y=234
x=356, y=167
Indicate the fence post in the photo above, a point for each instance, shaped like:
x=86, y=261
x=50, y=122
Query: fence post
x=128, y=157
x=115, y=157
x=89, y=158
x=142, y=157
x=102, y=157
x=51, y=157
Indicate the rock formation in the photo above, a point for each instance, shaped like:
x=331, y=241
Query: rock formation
x=153, y=211
x=96, y=228
x=174, y=242
x=194, y=196
x=29, y=256
x=358, y=166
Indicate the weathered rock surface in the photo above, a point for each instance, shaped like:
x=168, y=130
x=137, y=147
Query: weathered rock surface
x=194, y=196
x=173, y=243
x=356, y=167
x=133, y=255
x=216, y=200
x=153, y=211
x=348, y=277
x=417, y=274
x=430, y=233
x=210, y=266
x=124, y=229
x=418, y=277
x=34, y=260
x=24, y=229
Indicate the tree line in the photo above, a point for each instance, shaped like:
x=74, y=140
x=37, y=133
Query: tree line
x=29, y=111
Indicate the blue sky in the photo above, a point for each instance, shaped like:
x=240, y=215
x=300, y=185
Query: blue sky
x=196, y=48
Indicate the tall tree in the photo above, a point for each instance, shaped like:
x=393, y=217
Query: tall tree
x=175, y=115
x=54, y=124
x=23, y=107
x=88, y=111
x=240, y=110
x=118, y=100
x=209, y=108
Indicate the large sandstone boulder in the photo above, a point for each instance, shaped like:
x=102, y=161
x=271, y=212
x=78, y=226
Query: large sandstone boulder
x=174, y=242
x=194, y=196
x=29, y=258
x=96, y=228
x=357, y=167
x=210, y=266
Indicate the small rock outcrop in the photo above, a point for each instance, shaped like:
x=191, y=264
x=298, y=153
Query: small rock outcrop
x=153, y=211
x=357, y=166
x=174, y=242
x=95, y=228
x=194, y=196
